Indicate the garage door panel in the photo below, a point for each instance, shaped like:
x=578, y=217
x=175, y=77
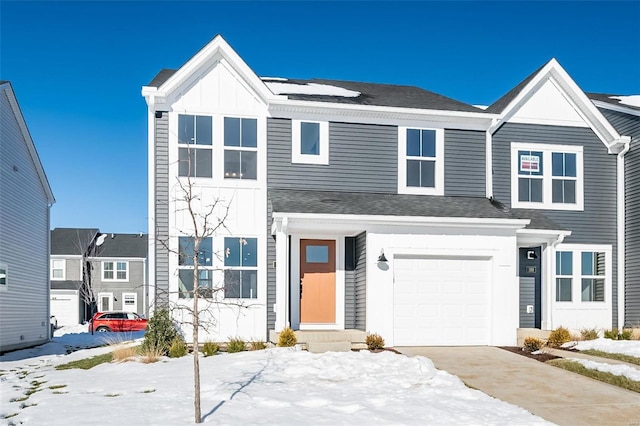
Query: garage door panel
x=441, y=301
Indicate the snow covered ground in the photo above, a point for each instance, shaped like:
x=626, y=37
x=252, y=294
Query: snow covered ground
x=629, y=372
x=275, y=386
x=626, y=347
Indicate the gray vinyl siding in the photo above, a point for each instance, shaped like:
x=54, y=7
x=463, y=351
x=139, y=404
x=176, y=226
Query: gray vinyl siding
x=361, y=283
x=161, y=210
x=362, y=158
x=349, y=299
x=597, y=223
x=464, y=163
x=24, y=242
x=527, y=297
x=72, y=270
x=271, y=273
x=134, y=284
x=629, y=125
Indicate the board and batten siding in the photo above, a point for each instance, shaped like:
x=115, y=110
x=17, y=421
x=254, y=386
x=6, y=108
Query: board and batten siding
x=597, y=223
x=161, y=135
x=629, y=125
x=362, y=158
x=24, y=239
x=464, y=163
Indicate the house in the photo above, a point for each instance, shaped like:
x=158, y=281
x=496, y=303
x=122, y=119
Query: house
x=623, y=112
x=92, y=271
x=385, y=208
x=119, y=273
x=71, y=294
x=25, y=202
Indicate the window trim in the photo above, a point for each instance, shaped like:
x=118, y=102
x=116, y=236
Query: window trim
x=64, y=269
x=115, y=271
x=194, y=146
x=576, y=287
x=241, y=267
x=241, y=149
x=5, y=286
x=438, y=189
x=201, y=267
x=547, y=176
x=296, y=144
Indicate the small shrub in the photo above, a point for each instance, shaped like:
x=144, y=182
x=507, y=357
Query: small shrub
x=210, y=348
x=178, y=348
x=614, y=334
x=236, y=344
x=151, y=354
x=589, y=334
x=125, y=354
x=532, y=344
x=257, y=345
x=160, y=333
x=558, y=337
x=374, y=342
x=287, y=338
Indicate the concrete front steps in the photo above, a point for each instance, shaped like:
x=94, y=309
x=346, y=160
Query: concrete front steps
x=523, y=333
x=319, y=341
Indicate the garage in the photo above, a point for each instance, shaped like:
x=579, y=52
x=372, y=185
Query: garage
x=65, y=305
x=441, y=301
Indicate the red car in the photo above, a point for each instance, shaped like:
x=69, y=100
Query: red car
x=117, y=321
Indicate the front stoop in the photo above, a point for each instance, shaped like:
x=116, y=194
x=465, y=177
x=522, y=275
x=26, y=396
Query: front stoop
x=319, y=341
x=523, y=333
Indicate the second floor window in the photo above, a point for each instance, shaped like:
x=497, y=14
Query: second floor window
x=420, y=161
x=58, y=269
x=195, y=146
x=310, y=142
x=115, y=271
x=240, y=148
x=546, y=176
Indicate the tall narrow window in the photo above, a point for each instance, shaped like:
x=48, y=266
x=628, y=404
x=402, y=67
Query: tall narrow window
x=241, y=268
x=530, y=176
x=240, y=148
x=593, y=276
x=564, y=177
x=310, y=142
x=421, y=158
x=195, y=142
x=186, y=257
x=564, y=274
x=58, y=269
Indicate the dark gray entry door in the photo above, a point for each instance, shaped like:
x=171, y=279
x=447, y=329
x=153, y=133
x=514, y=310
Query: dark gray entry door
x=530, y=287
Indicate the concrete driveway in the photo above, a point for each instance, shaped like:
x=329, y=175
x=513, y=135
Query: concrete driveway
x=554, y=394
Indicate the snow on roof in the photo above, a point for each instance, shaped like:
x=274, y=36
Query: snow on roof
x=631, y=100
x=481, y=106
x=280, y=88
x=274, y=79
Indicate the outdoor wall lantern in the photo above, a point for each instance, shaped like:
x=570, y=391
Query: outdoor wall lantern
x=382, y=257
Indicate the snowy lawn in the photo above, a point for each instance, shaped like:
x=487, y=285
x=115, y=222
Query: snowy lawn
x=629, y=372
x=625, y=347
x=274, y=386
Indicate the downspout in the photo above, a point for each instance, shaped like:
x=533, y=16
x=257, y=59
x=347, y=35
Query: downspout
x=621, y=231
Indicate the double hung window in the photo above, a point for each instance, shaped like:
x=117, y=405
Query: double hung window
x=581, y=274
x=186, y=260
x=421, y=161
x=115, y=271
x=240, y=148
x=241, y=268
x=195, y=146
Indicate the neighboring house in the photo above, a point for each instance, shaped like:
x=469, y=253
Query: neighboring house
x=119, y=271
x=25, y=202
x=71, y=295
x=92, y=271
x=385, y=208
x=623, y=112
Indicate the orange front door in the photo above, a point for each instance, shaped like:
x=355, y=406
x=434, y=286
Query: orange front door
x=317, y=281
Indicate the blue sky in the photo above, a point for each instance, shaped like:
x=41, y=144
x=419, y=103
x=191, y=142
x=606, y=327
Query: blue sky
x=78, y=67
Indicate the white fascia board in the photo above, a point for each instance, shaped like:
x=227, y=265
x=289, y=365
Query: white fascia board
x=617, y=108
x=65, y=256
x=405, y=220
x=120, y=258
x=31, y=147
x=528, y=237
x=296, y=109
x=217, y=48
x=554, y=72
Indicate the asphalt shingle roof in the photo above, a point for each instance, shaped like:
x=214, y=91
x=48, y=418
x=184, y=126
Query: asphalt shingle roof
x=71, y=241
x=498, y=106
x=65, y=285
x=603, y=97
x=357, y=203
x=123, y=245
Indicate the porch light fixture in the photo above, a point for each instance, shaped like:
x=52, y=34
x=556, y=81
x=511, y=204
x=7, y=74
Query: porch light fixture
x=382, y=257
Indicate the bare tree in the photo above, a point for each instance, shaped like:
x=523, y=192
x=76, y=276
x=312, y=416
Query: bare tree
x=86, y=244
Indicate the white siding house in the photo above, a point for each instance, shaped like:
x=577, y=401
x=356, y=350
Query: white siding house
x=25, y=200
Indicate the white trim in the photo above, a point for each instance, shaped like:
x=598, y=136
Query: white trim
x=135, y=301
x=115, y=271
x=64, y=269
x=295, y=289
x=547, y=177
x=100, y=296
x=151, y=202
x=438, y=189
x=296, y=142
x=5, y=286
x=617, y=108
x=621, y=237
x=488, y=167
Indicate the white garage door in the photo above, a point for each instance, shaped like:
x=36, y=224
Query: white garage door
x=441, y=302
x=66, y=308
